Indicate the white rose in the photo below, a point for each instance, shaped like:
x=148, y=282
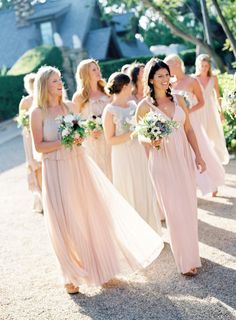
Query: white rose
x=65, y=132
x=69, y=118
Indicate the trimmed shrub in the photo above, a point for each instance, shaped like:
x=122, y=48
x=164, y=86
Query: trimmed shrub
x=35, y=58
x=11, y=85
x=108, y=67
x=11, y=91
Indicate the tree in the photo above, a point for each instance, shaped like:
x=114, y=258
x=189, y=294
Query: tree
x=225, y=26
x=169, y=12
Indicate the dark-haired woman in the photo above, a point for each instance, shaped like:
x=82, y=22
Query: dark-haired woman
x=136, y=74
x=129, y=162
x=172, y=167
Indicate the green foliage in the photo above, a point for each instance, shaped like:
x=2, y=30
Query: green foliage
x=11, y=85
x=34, y=58
x=108, y=67
x=230, y=130
x=11, y=91
x=188, y=57
x=226, y=82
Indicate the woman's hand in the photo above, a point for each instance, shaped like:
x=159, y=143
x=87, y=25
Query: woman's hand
x=222, y=116
x=156, y=143
x=78, y=141
x=201, y=165
x=95, y=134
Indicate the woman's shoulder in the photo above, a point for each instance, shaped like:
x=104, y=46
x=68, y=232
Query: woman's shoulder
x=26, y=102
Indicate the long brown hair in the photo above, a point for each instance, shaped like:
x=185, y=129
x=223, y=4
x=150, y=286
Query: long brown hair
x=83, y=80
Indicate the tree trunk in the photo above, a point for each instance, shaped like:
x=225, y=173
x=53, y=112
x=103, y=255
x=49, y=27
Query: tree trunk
x=225, y=26
x=206, y=23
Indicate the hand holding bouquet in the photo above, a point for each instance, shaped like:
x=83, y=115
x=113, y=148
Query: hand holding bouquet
x=71, y=130
x=94, y=126
x=23, y=119
x=153, y=127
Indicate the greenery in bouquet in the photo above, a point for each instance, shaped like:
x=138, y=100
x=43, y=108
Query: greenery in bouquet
x=71, y=128
x=23, y=119
x=93, y=124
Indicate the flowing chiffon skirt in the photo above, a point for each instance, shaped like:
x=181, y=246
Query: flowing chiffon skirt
x=95, y=233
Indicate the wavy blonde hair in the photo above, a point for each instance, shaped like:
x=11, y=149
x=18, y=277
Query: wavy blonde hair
x=175, y=57
x=83, y=80
x=29, y=82
x=201, y=58
x=41, y=87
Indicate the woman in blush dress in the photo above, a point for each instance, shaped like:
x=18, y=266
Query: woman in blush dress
x=90, y=100
x=95, y=233
x=211, y=114
x=136, y=74
x=34, y=168
x=185, y=85
x=172, y=166
x=129, y=162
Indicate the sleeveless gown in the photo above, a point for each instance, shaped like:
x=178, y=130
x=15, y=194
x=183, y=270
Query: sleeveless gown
x=209, y=117
x=33, y=164
x=98, y=149
x=95, y=233
x=130, y=169
x=172, y=171
x=214, y=176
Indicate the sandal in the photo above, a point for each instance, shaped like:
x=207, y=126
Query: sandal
x=71, y=289
x=191, y=273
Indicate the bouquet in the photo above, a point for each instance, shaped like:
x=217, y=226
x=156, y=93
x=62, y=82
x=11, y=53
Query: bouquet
x=71, y=127
x=23, y=119
x=93, y=124
x=153, y=126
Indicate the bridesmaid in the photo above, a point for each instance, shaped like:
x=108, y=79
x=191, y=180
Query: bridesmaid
x=211, y=114
x=172, y=167
x=33, y=162
x=95, y=233
x=129, y=162
x=190, y=88
x=90, y=100
x=136, y=74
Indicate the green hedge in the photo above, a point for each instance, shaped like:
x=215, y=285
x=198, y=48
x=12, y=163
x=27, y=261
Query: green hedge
x=35, y=58
x=226, y=82
x=108, y=67
x=11, y=85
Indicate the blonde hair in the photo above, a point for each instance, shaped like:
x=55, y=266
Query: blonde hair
x=83, y=80
x=41, y=87
x=29, y=82
x=175, y=57
x=201, y=58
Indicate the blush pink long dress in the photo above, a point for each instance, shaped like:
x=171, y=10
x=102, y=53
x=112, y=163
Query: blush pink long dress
x=98, y=149
x=172, y=172
x=95, y=233
x=214, y=176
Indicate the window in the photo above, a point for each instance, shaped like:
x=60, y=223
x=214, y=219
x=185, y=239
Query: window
x=46, y=33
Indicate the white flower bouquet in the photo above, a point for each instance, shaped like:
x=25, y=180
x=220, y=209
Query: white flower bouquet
x=23, y=119
x=153, y=126
x=71, y=129
x=93, y=124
